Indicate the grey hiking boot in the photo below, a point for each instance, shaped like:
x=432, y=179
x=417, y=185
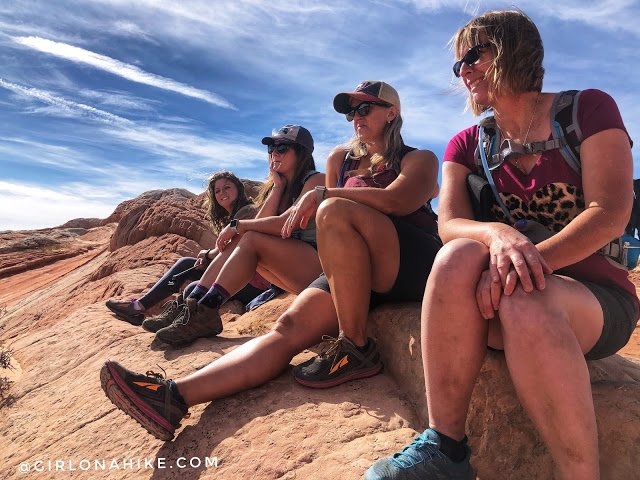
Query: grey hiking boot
x=193, y=322
x=340, y=363
x=173, y=308
x=145, y=398
x=421, y=459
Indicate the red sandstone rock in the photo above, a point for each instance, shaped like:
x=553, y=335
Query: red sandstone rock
x=61, y=332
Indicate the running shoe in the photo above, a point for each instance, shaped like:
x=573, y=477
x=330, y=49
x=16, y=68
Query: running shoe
x=421, y=459
x=124, y=309
x=145, y=398
x=341, y=362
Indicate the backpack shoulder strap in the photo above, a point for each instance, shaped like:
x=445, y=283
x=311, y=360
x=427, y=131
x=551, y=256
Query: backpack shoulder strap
x=565, y=128
x=346, y=163
x=490, y=143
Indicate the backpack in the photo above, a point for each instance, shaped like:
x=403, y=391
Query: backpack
x=492, y=151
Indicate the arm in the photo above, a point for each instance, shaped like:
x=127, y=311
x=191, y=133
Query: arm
x=607, y=182
x=409, y=191
x=506, y=245
x=270, y=206
x=417, y=181
x=270, y=225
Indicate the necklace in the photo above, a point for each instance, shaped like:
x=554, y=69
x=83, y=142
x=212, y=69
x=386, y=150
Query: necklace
x=526, y=136
x=535, y=107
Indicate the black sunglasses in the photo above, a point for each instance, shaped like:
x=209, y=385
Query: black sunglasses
x=281, y=147
x=363, y=109
x=471, y=57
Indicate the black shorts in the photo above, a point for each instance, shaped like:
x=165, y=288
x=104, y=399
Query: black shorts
x=417, y=252
x=620, y=317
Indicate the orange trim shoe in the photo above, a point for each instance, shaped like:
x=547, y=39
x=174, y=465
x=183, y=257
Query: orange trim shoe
x=341, y=362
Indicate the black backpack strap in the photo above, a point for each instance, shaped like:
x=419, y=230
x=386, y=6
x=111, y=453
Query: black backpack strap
x=489, y=142
x=346, y=163
x=565, y=128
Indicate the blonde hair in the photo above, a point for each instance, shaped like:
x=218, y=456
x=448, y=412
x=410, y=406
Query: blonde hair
x=518, y=53
x=393, y=145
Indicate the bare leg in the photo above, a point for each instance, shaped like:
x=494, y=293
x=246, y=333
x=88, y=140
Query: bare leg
x=309, y=317
x=454, y=334
x=546, y=334
x=213, y=269
x=291, y=263
x=360, y=252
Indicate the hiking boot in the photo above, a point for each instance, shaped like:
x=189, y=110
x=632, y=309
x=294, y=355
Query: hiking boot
x=172, y=309
x=338, y=364
x=145, y=398
x=124, y=309
x=193, y=322
x=421, y=459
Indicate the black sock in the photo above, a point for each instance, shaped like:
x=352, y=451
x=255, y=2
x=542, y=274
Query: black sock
x=364, y=348
x=452, y=448
x=198, y=292
x=176, y=394
x=215, y=297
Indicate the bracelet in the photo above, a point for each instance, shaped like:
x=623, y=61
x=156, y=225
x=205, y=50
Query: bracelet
x=206, y=255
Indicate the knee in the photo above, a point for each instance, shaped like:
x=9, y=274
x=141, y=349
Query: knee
x=459, y=262
x=289, y=329
x=528, y=319
x=249, y=240
x=332, y=212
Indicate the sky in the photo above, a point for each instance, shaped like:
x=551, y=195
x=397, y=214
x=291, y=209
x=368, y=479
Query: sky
x=102, y=100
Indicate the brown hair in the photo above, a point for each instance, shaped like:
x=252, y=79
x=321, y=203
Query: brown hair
x=217, y=214
x=518, y=52
x=304, y=164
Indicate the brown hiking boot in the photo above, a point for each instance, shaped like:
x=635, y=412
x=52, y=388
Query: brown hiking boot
x=193, y=322
x=173, y=308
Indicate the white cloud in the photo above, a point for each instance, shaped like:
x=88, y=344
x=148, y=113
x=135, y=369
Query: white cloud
x=116, y=67
x=67, y=107
x=30, y=207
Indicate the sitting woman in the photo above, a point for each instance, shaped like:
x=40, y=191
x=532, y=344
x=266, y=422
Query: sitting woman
x=249, y=245
x=226, y=200
x=381, y=248
x=550, y=304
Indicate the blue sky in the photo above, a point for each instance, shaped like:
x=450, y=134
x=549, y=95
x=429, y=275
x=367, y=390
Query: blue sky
x=102, y=100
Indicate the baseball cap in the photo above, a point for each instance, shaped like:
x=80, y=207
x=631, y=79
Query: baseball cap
x=291, y=134
x=369, y=90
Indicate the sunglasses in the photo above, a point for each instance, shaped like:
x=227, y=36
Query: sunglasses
x=471, y=57
x=280, y=147
x=363, y=109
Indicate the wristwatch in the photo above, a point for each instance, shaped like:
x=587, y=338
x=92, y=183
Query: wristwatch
x=321, y=191
x=234, y=225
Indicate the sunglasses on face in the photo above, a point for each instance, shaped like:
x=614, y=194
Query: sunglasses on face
x=280, y=147
x=363, y=109
x=471, y=57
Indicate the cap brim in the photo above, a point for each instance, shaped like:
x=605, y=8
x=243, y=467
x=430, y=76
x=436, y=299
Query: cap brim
x=341, y=101
x=270, y=140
